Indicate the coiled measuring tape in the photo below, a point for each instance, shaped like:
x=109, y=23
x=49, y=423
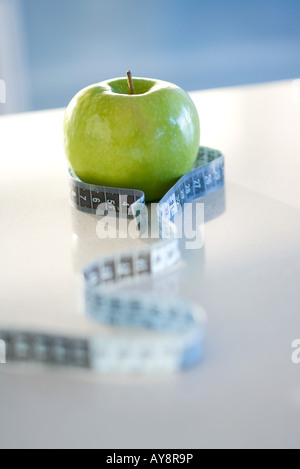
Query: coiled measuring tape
x=151, y=333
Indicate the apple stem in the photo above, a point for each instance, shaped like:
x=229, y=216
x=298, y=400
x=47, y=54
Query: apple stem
x=130, y=83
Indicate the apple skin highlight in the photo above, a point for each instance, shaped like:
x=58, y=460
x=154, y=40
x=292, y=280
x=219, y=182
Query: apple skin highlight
x=146, y=140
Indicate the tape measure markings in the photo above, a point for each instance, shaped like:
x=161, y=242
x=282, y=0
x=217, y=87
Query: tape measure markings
x=179, y=326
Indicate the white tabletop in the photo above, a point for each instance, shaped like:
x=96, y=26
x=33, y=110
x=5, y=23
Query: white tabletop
x=246, y=392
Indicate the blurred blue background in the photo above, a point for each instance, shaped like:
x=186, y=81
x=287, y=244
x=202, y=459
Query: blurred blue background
x=52, y=48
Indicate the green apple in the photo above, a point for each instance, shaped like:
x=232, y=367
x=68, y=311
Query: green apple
x=139, y=134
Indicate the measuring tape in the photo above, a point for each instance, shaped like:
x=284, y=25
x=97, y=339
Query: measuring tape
x=151, y=333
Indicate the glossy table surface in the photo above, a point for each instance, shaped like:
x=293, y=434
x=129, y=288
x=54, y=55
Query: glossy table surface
x=246, y=392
